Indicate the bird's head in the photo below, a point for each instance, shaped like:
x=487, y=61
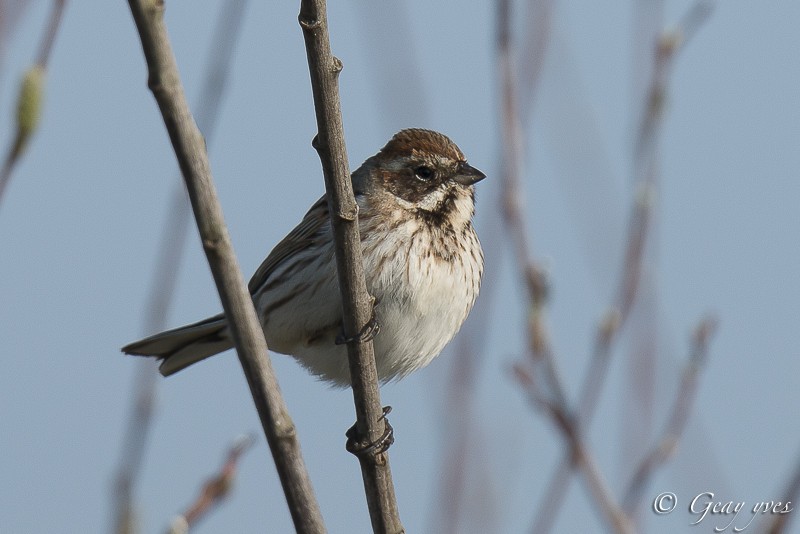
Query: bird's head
x=425, y=172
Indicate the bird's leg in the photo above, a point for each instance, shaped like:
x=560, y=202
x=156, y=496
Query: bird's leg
x=359, y=446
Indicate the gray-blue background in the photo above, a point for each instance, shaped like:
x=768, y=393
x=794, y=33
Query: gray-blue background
x=81, y=220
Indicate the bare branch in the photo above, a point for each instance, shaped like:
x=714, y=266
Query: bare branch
x=133, y=446
x=666, y=446
x=246, y=331
x=215, y=490
x=556, y=489
x=580, y=454
x=513, y=157
x=645, y=177
x=543, y=384
x=357, y=305
x=49, y=36
x=638, y=228
x=168, y=260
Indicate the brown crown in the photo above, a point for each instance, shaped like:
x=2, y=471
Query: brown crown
x=416, y=141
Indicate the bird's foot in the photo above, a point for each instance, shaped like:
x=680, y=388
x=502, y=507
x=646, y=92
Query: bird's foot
x=361, y=447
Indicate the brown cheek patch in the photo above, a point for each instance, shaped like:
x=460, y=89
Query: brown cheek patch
x=405, y=186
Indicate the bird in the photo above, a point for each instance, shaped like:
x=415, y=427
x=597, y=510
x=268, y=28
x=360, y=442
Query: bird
x=423, y=265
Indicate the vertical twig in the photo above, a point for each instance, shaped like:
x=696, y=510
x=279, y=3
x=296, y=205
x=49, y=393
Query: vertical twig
x=469, y=344
x=243, y=322
x=133, y=447
x=533, y=277
x=371, y=426
x=165, y=277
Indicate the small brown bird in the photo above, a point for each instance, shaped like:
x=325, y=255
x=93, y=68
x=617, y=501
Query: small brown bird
x=422, y=260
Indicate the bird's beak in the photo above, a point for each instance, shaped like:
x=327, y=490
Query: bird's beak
x=467, y=174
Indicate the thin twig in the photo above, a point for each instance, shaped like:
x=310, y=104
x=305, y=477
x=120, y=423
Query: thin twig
x=556, y=488
x=29, y=103
x=638, y=229
x=543, y=385
x=133, y=447
x=580, y=454
x=168, y=260
x=49, y=36
x=470, y=343
x=537, y=35
x=570, y=429
x=215, y=490
x=248, y=337
x=682, y=406
x=371, y=426
x=645, y=178
x=511, y=176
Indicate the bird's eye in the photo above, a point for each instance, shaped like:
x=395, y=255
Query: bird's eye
x=424, y=173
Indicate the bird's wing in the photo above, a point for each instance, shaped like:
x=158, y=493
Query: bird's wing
x=303, y=235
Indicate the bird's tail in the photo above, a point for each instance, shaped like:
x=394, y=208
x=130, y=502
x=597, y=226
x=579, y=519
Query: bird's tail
x=181, y=347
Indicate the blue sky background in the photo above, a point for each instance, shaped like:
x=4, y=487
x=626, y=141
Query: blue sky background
x=81, y=222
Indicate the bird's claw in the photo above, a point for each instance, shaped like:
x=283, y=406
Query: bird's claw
x=361, y=447
x=366, y=334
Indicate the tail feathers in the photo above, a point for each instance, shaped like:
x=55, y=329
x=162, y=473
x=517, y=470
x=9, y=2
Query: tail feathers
x=181, y=347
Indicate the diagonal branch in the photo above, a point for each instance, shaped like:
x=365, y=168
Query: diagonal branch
x=371, y=426
x=580, y=454
x=215, y=490
x=31, y=95
x=679, y=416
x=246, y=331
x=165, y=277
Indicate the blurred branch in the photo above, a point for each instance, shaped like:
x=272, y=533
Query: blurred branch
x=682, y=406
x=645, y=176
x=133, y=447
x=469, y=343
x=537, y=35
x=669, y=44
x=638, y=228
x=543, y=384
x=243, y=322
x=215, y=490
x=581, y=457
x=49, y=36
x=372, y=435
x=545, y=391
x=168, y=260
x=511, y=177
x=29, y=102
